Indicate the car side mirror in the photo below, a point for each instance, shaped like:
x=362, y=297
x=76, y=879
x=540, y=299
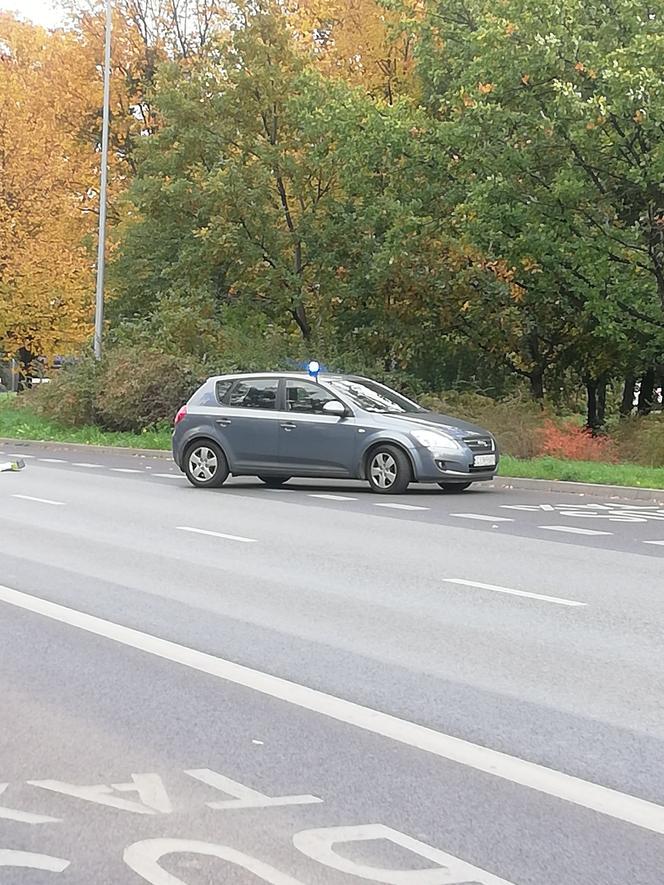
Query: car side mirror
x=334, y=407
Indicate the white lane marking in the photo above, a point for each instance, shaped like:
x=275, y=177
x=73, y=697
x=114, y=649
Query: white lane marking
x=86, y=464
x=595, y=797
x=573, y=530
x=556, y=599
x=546, y=507
x=244, y=797
x=188, y=528
x=52, y=460
x=659, y=543
x=125, y=470
x=23, y=817
x=401, y=506
x=482, y=517
x=333, y=497
x=23, y=457
x=170, y=475
x=9, y=857
x=40, y=500
x=519, y=507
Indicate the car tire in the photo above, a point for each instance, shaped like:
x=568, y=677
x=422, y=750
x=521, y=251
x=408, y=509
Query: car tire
x=274, y=482
x=453, y=488
x=205, y=465
x=388, y=470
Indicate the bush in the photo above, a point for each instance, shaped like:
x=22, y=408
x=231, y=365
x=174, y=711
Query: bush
x=142, y=388
x=641, y=440
x=572, y=442
x=70, y=397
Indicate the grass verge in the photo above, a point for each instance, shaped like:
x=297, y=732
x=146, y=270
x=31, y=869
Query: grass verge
x=584, y=471
x=21, y=423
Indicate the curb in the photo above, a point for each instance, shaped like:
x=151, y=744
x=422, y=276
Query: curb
x=161, y=454
x=627, y=493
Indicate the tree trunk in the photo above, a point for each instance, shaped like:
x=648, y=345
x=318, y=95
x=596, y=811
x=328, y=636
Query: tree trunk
x=627, y=402
x=646, y=393
x=601, y=400
x=592, y=419
x=536, y=379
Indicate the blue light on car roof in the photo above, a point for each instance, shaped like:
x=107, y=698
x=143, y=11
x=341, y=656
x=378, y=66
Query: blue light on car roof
x=313, y=368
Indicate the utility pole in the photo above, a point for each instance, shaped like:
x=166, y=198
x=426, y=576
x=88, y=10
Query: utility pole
x=101, y=246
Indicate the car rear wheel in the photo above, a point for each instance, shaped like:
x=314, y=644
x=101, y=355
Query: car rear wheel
x=452, y=488
x=388, y=470
x=274, y=482
x=205, y=465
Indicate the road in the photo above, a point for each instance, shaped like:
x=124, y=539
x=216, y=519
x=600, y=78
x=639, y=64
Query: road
x=316, y=685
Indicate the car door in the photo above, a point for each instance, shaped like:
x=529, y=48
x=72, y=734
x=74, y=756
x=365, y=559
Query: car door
x=312, y=443
x=248, y=424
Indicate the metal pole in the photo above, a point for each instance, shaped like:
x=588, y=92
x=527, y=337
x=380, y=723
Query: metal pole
x=101, y=247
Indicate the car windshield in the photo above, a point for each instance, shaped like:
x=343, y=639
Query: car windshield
x=374, y=397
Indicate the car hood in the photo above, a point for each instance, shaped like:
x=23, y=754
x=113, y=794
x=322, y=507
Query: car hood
x=454, y=427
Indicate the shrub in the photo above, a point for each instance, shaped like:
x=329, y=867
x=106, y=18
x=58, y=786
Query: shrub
x=70, y=397
x=641, y=440
x=142, y=388
x=572, y=442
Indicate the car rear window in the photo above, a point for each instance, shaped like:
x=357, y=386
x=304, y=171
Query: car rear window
x=221, y=389
x=259, y=393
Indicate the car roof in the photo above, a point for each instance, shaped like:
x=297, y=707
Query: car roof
x=299, y=376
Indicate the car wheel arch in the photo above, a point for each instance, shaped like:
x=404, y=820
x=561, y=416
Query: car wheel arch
x=200, y=439
x=376, y=444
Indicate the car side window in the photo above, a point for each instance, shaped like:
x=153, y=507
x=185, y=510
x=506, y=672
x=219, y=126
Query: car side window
x=258, y=394
x=306, y=397
x=221, y=389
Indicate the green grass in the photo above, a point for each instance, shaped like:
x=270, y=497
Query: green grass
x=21, y=423
x=584, y=471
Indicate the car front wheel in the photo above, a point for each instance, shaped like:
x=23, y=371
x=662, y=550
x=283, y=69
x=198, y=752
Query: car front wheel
x=452, y=488
x=205, y=465
x=388, y=470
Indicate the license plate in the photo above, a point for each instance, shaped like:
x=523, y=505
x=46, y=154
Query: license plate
x=484, y=461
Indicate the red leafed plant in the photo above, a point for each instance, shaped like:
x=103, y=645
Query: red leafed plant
x=575, y=443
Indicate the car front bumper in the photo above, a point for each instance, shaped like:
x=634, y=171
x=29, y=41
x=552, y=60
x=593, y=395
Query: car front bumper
x=432, y=467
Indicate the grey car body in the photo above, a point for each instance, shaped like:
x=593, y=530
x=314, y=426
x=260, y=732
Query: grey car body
x=278, y=426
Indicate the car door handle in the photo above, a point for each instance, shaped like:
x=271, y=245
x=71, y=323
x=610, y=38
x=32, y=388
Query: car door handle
x=224, y=422
x=289, y=426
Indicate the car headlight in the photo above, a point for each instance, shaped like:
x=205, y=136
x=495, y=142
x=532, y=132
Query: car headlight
x=437, y=442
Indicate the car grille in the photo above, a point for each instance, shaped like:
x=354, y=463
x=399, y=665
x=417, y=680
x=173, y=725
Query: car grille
x=480, y=445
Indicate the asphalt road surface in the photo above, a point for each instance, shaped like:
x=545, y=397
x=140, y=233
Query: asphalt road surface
x=318, y=685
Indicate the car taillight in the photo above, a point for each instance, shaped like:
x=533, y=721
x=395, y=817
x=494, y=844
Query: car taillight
x=180, y=415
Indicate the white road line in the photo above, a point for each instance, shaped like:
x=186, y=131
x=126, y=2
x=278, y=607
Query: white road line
x=586, y=794
x=52, y=460
x=170, y=475
x=40, y=500
x=573, y=530
x=86, y=464
x=188, y=528
x=528, y=507
x=482, y=517
x=659, y=543
x=401, y=506
x=125, y=470
x=555, y=599
x=23, y=457
x=333, y=497
x=546, y=507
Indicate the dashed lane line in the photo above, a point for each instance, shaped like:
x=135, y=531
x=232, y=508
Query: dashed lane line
x=557, y=600
x=169, y=475
x=400, y=506
x=332, y=497
x=52, y=460
x=239, y=538
x=87, y=464
x=572, y=530
x=125, y=470
x=482, y=517
x=658, y=543
x=40, y=500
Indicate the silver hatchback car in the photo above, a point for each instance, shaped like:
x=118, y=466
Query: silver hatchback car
x=277, y=426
